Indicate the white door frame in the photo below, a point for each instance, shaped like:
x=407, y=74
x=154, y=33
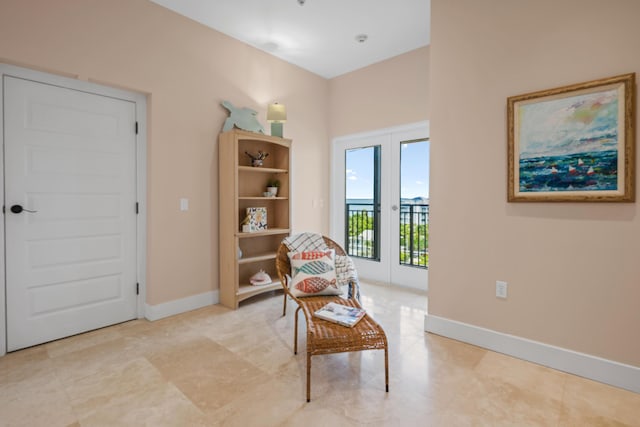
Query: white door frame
x=336, y=226
x=140, y=101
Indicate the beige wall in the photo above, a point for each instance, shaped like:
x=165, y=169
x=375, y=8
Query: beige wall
x=389, y=93
x=572, y=268
x=186, y=70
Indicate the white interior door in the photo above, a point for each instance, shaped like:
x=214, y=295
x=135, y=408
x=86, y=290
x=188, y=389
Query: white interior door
x=366, y=184
x=70, y=211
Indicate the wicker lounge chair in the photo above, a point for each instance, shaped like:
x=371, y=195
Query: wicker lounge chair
x=324, y=337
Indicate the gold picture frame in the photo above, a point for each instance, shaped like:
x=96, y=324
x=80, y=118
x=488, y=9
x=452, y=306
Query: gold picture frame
x=573, y=143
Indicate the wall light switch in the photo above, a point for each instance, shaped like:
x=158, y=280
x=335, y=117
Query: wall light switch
x=184, y=204
x=501, y=289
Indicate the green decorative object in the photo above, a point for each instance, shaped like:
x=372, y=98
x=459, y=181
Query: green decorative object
x=276, y=129
x=242, y=118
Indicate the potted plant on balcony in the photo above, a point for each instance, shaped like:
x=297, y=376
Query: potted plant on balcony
x=272, y=187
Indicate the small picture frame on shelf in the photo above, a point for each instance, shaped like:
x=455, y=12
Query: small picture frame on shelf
x=257, y=219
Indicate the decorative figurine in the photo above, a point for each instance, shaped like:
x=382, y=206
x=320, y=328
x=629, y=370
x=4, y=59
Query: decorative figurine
x=242, y=118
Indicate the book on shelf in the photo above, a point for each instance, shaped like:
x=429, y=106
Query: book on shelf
x=340, y=314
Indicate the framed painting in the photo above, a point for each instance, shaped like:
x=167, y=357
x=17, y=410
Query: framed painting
x=573, y=143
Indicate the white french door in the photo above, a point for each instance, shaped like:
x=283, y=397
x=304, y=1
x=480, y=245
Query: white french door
x=409, y=182
x=376, y=198
x=361, y=215
x=70, y=221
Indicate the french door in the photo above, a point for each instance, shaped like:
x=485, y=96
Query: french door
x=380, y=203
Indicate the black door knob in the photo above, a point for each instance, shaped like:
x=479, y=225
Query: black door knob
x=16, y=209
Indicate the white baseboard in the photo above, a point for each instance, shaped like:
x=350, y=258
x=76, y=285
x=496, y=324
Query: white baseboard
x=581, y=364
x=159, y=311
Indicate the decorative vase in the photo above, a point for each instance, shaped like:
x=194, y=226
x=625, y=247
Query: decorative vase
x=273, y=191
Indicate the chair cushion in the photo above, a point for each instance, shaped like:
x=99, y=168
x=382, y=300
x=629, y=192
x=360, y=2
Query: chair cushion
x=313, y=273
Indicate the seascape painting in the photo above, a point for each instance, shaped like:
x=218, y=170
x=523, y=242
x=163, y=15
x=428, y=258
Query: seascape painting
x=572, y=143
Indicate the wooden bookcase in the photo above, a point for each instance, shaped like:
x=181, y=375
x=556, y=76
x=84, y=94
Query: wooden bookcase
x=241, y=186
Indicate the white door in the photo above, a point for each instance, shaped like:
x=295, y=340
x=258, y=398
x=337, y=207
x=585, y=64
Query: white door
x=409, y=220
x=372, y=206
x=70, y=211
x=360, y=203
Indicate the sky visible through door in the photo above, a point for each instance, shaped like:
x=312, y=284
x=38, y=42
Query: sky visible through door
x=414, y=172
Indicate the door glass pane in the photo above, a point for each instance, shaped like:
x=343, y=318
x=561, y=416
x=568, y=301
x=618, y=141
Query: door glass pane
x=362, y=204
x=414, y=203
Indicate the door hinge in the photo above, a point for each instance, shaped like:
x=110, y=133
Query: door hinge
x=137, y=288
x=136, y=128
x=137, y=208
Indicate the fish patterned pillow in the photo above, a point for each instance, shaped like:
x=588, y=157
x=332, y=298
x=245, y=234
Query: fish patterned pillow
x=313, y=273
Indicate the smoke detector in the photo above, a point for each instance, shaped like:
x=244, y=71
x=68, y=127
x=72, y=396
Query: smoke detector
x=361, y=38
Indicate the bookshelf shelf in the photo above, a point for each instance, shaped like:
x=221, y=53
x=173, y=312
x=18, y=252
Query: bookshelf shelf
x=246, y=291
x=261, y=169
x=257, y=258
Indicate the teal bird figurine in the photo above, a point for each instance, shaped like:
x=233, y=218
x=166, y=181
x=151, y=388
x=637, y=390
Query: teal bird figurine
x=242, y=118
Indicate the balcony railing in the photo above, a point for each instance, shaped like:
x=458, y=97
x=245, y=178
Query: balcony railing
x=362, y=234
x=414, y=235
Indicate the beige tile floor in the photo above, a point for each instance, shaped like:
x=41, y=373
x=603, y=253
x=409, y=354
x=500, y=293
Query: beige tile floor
x=216, y=366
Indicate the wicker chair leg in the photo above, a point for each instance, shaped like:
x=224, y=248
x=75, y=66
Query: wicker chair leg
x=284, y=305
x=308, y=377
x=295, y=333
x=386, y=369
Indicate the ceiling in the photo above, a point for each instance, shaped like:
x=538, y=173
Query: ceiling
x=320, y=35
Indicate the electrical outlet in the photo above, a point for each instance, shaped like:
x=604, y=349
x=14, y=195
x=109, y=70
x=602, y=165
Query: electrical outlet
x=501, y=289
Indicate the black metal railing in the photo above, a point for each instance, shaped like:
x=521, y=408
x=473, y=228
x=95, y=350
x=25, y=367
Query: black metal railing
x=362, y=234
x=362, y=230
x=414, y=235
